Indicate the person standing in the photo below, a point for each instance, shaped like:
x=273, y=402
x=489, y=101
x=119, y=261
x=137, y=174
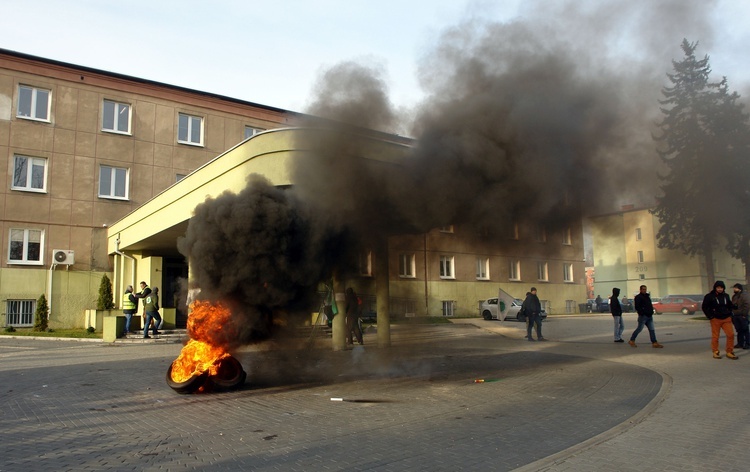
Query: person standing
x=145, y=291
x=533, y=309
x=740, y=309
x=598, y=302
x=151, y=307
x=129, y=307
x=645, y=310
x=616, y=310
x=718, y=308
x=352, y=317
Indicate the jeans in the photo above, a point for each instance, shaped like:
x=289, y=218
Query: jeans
x=741, y=327
x=128, y=316
x=619, y=327
x=647, y=321
x=151, y=315
x=531, y=319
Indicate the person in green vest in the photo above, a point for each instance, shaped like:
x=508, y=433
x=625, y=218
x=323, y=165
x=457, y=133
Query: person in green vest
x=151, y=306
x=129, y=307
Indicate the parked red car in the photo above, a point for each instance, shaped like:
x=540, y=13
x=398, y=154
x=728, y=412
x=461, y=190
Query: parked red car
x=683, y=305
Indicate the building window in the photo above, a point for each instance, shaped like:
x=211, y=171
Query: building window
x=515, y=270
x=178, y=177
x=250, y=131
x=483, y=268
x=446, y=229
x=190, y=129
x=29, y=173
x=639, y=254
x=541, y=271
x=638, y=234
x=116, y=117
x=570, y=306
x=567, y=238
x=113, y=182
x=25, y=246
x=20, y=312
x=406, y=265
x=33, y=103
x=513, y=231
x=449, y=307
x=365, y=263
x=642, y=276
x=446, y=267
x=540, y=234
x=567, y=272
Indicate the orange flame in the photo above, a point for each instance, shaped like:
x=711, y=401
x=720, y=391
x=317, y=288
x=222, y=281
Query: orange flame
x=203, y=351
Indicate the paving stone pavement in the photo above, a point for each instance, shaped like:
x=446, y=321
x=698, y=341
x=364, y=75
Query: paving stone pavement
x=579, y=402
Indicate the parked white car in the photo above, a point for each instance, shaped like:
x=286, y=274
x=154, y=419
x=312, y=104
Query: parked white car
x=490, y=310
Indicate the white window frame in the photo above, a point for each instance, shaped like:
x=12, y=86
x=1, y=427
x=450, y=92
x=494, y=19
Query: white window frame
x=542, y=271
x=251, y=131
x=567, y=272
x=514, y=270
x=114, y=172
x=190, y=123
x=570, y=306
x=117, y=119
x=449, y=307
x=365, y=263
x=483, y=268
x=30, y=163
x=567, y=237
x=638, y=234
x=407, y=266
x=27, y=234
x=639, y=256
x=33, y=104
x=447, y=267
x=20, y=312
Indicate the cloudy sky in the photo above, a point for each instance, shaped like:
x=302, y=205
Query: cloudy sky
x=272, y=52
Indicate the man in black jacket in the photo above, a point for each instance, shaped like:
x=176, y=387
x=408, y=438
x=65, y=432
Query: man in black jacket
x=533, y=309
x=645, y=317
x=740, y=310
x=616, y=310
x=718, y=308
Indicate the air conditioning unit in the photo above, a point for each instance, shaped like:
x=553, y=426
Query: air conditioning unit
x=63, y=257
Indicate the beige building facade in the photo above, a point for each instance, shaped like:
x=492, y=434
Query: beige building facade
x=626, y=255
x=102, y=173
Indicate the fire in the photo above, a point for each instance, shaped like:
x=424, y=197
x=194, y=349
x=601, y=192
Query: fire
x=207, y=324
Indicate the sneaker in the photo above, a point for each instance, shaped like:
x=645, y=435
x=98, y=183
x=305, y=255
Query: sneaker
x=731, y=355
x=531, y=339
x=619, y=340
x=156, y=332
x=632, y=343
x=147, y=337
x=657, y=345
x=717, y=355
x=737, y=346
x=542, y=339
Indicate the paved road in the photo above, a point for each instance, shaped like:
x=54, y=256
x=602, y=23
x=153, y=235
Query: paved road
x=579, y=402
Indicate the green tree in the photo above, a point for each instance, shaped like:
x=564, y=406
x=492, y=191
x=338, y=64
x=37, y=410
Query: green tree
x=106, y=300
x=700, y=143
x=41, y=315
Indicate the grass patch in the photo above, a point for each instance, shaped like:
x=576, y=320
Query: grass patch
x=54, y=333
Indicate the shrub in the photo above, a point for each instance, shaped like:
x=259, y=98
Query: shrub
x=10, y=329
x=106, y=299
x=41, y=316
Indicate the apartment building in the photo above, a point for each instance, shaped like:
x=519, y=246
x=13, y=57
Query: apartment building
x=626, y=255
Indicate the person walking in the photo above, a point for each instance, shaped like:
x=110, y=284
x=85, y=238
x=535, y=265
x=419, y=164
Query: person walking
x=616, y=309
x=352, y=317
x=129, y=307
x=151, y=307
x=740, y=309
x=645, y=310
x=718, y=308
x=533, y=309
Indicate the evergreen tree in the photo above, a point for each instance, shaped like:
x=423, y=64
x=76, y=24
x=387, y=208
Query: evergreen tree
x=41, y=315
x=700, y=135
x=106, y=299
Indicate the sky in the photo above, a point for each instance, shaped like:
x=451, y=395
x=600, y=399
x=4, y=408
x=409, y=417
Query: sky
x=272, y=53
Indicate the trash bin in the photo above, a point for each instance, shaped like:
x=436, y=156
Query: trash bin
x=583, y=308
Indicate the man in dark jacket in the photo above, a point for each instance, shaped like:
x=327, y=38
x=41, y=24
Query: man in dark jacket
x=616, y=310
x=533, y=309
x=645, y=317
x=740, y=309
x=718, y=308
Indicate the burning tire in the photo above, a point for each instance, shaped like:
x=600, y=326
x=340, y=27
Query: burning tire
x=191, y=385
x=230, y=374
